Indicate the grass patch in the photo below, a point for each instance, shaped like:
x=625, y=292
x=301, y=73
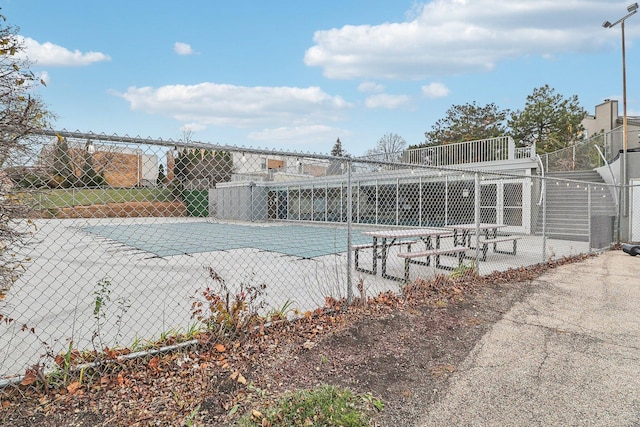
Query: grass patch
x=326, y=406
x=64, y=198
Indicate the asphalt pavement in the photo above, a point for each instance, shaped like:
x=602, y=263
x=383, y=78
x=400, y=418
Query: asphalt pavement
x=568, y=354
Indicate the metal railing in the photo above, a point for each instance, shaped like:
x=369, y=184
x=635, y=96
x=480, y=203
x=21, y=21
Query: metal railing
x=584, y=155
x=477, y=151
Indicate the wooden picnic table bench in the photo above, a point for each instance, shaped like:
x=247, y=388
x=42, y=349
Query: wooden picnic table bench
x=494, y=241
x=409, y=258
x=386, y=238
x=379, y=246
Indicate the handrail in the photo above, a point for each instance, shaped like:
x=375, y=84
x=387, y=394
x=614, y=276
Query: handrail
x=610, y=171
x=539, y=159
x=587, y=141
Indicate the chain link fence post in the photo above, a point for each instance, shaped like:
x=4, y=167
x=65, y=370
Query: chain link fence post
x=349, y=231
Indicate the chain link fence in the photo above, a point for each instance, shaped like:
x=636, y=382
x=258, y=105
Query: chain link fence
x=127, y=238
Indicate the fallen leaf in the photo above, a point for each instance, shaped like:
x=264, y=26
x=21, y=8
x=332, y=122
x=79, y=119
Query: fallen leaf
x=256, y=414
x=120, y=379
x=153, y=364
x=308, y=345
x=59, y=359
x=73, y=387
x=221, y=348
x=30, y=377
x=241, y=379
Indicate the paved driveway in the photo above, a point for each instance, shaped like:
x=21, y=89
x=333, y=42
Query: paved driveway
x=568, y=355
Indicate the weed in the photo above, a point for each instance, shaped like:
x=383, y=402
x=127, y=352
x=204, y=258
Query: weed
x=102, y=296
x=257, y=390
x=137, y=344
x=189, y=419
x=463, y=271
x=169, y=335
x=324, y=405
x=283, y=312
x=192, y=330
x=226, y=314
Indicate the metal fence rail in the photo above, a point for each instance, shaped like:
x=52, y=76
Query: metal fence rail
x=127, y=233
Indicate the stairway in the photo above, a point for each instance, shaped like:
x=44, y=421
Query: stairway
x=568, y=211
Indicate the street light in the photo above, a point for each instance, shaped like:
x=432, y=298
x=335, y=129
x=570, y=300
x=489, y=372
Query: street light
x=632, y=9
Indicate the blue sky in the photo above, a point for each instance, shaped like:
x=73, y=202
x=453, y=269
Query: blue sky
x=297, y=75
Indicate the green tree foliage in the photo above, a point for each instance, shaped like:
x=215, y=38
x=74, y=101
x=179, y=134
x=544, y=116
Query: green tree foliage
x=62, y=174
x=161, y=175
x=336, y=166
x=548, y=120
x=89, y=176
x=337, y=149
x=467, y=122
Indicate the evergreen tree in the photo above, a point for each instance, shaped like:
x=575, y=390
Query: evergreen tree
x=467, y=122
x=337, y=149
x=161, y=175
x=62, y=172
x=548, y=119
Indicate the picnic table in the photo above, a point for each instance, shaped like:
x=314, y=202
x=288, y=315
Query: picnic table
x=383, y=240
x=462, y=234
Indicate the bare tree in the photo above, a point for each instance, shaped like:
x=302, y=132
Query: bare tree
x=389, y=148
x=22, y=115
x=187, y=135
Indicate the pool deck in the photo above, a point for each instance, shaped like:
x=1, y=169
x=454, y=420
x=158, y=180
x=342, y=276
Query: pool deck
x=152, y=294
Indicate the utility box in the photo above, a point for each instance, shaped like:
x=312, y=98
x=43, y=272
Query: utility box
x=602, y=231
x=242, y=201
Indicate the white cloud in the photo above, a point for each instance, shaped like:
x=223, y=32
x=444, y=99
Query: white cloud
x=387, y=101
x=182, y=48
x=370, y=87
x=49, y=54
x=44, y=76
x=238, y=106
x=445, y=37
x=193, y=127
x=307, y=135
x=435, y=90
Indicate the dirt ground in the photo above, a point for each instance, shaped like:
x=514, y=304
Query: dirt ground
x=404, y=358
x=401, y=350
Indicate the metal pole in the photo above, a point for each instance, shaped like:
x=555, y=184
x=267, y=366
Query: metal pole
x=589, y=215
x=350, y=249
x=544, y=219
x=624, y=123
x=477, y=215
x=398, y=201
x=420, y=203
x=446, y=200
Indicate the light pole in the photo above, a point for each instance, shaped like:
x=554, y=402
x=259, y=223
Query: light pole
x=632, y=9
